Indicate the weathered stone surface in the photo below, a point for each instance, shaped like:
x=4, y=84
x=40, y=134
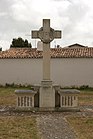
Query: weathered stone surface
x=68, y=98
x=25, y=91
x=47, y=97
x=69, y=91
x=25, y=98
x=47, y=92
x=46, y=34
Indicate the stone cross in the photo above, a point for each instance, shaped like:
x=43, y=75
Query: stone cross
x=46, y=34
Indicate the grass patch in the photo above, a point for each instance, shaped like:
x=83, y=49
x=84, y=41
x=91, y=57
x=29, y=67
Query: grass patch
x=15, y=127
x=7, y=97
x=83, y=126
x=18, y=127
x=86, y=97
x=24, y=127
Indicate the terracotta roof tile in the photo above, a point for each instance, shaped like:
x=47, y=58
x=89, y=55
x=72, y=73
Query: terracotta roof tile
x=86, y=52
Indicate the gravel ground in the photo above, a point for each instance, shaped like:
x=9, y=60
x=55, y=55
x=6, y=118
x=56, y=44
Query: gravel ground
x=54, y=126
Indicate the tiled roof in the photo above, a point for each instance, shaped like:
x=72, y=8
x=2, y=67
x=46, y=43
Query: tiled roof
x=86, y=52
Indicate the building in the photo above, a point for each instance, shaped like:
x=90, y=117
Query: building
x=76, y=45
x=69, y=66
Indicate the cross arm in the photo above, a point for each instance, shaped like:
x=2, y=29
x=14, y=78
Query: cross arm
x=35, y=34
x=57, y=34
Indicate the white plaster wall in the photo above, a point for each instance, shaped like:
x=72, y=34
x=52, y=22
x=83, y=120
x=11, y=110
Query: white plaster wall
x=24, y=71
x=64, y=71
x=72, y=71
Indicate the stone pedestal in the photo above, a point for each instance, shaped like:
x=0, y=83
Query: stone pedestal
x=47, y=95
x=25, y=98
x=69, y=98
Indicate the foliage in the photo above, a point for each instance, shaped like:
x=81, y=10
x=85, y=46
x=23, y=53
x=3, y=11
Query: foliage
x=0, y=49
x=82, y=87
x=13, y=85
x=20, y=43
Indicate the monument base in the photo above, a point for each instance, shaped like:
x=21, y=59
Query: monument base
x=37, y=109
x=47, y=95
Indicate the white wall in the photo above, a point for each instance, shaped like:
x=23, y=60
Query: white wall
x=73, y=71
x=20, y=71
x=64, y=71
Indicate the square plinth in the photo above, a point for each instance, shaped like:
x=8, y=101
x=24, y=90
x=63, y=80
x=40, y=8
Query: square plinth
x=46, y=95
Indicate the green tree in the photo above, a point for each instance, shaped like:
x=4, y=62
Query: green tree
x=20, y=43
x=0, y=49
x=26, y=43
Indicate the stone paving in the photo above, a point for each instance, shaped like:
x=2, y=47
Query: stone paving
x=55, y=126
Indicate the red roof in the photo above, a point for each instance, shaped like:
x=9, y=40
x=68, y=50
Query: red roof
x=86, y=52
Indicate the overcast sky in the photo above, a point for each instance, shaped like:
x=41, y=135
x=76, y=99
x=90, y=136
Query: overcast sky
x=73, y=17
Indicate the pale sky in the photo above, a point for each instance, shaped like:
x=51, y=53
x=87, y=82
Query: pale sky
x=73, y=17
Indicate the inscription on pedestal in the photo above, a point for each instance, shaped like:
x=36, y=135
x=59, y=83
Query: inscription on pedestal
x=47, y=97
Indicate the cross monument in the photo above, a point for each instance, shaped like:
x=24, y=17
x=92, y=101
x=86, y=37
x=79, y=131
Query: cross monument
x=46, y=34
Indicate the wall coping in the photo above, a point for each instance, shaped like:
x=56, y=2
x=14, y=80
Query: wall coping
x=68, y=91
